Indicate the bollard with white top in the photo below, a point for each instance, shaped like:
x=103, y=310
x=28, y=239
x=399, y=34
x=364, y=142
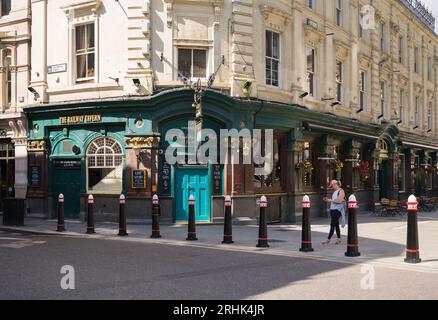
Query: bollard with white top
x=60, y=225
x=90, y=215
x=191, y=234
x=263, y=227
x=122, y=216
x=306, y=237
x=353, y=239
x=413, y=247
x=228, y=232
x=155, y=217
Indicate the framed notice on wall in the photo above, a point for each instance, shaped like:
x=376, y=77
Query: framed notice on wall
x=139, y=179
x=35, y=176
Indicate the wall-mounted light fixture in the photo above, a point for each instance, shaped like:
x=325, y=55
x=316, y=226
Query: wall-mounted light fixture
x=35, y=93
x=336, y=103
x=136, y=82
x=304, y=94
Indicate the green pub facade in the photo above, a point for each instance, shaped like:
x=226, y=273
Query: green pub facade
x=115, y=146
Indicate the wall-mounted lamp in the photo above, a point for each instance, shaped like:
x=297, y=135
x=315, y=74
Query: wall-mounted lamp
x=429, y=131
x=115, y=79
x=136, y=82
x=162, y=57
x=330, y=34
x=416, y=127
x=35, y=93
x=400, y=122
x=360, y=110
x=327, y=99
x=381, y=116
x=304, y=94
x=336, y=103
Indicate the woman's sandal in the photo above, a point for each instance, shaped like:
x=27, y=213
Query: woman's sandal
x=339, y=241
x=326, y=241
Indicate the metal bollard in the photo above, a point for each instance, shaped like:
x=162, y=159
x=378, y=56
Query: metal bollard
x=412, y=248
x=90, y=215
x=155, y=217
x=228, y=224
x=191, y=235
x=122, y=217
x=263, y=227
x=61, y=225
x=306, y=237
x=353, y=240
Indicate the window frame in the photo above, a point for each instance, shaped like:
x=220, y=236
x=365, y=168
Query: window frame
x=430, y=116
x=311, y=82
x=311, y=4
x=383, y=36
x=7, y=79
x=417, y=111
x=339, y=81
x=339, y=13
x=271, y=59
x=383, y=97
x=401, y=109
x=192, y=50
x=362, y=90
x=86, y=53
x=2, y=5
x=416, y=60
x=429, y=68
x=401, y=56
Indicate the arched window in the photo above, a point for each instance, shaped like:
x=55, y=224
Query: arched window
x=105, y=166
x=7, y=82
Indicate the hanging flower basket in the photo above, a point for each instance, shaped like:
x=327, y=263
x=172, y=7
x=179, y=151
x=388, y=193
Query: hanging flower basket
x=364, y=170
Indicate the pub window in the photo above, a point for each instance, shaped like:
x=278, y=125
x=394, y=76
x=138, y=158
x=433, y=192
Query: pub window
x=402, y=173
x=192, y=63
x=85, y=53
x=7, y=63
x=272, y=181
x=6, y=7
x=105, y=166
x=339, y=80
x=272, y=58
x=311, y=71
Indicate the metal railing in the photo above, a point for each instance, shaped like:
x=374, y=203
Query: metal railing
x=421, y=12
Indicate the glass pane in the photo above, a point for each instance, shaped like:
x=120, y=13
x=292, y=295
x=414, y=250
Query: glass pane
x=185, y=62
x=90, y=35
x=310, y=60
x=90, y=65
x=268, y=43
x=81, y=64
x=199, y=63
x=276, y=45
x=80, y=37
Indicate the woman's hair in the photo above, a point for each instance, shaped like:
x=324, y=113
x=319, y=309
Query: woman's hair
x=338, y=182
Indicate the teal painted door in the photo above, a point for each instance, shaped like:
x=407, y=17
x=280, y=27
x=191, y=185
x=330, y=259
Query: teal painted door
x=192, y=182
x=68, y=182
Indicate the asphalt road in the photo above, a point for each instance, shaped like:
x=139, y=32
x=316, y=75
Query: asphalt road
x=30, y=268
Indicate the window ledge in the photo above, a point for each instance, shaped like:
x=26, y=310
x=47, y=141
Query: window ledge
x=86, y=88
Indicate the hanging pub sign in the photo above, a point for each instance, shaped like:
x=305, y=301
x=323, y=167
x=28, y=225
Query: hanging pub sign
x=217, y=179
x=165, y=178
x=35, y=176
x=139, y=179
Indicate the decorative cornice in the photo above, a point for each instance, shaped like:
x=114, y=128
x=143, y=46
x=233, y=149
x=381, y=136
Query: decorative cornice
x=342, y=50
x=267, y=11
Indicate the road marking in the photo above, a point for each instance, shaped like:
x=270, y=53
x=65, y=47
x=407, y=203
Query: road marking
x=19, y=243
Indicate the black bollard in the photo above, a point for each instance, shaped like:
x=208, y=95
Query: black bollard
x=353, y=240
x=228, y=224
x=191, y=235
x=155, y=217
x=122, y=217
x=90, y=215
x=412, y=248
x=263, y=227
x=306, y=237
x=61, y=225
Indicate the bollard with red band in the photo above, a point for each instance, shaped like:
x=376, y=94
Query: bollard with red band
x=263, y=227
x=412, y=248
x=122, y=216
x=191, y=234
x=90, y=215
x=228, y=225
x=353, y=240
x=306, y=237
x=155, y=217
x=61, y=225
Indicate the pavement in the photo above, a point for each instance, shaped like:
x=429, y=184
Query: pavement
x=382, y=240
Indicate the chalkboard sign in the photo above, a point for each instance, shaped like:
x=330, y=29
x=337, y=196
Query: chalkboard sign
x=35, y=176
x=165, y=178
x=139, y=179
x=217, y=179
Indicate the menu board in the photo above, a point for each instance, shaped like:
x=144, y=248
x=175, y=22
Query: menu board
x=35, y=176
x=217, y=179
x=165, y=178
x=139, y=179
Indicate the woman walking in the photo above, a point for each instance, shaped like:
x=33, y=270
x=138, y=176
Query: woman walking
x=337, y=211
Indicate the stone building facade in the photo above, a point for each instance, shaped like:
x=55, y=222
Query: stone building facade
x=348, y=87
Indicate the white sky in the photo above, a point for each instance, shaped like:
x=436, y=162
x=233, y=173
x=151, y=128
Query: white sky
x=433, y=6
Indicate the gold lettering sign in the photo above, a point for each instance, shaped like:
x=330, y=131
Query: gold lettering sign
x=91, y=118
